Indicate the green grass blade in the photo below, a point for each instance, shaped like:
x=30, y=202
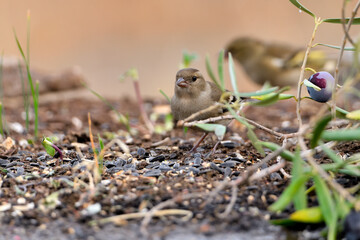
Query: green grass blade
x=287, y=155
x=289, y=194
x=341, y=135
x=211, y=72
x=233, y=76
x=258, y=93
x=302, y=8
x=123, y=119
x=356, y=21
x=337, y=47
x=318, y=130
x=166, y=96
x=327, y=205
x=19, y=46
x=36, y=109
x=221, y=69
x=297, y=171
x=25, y=94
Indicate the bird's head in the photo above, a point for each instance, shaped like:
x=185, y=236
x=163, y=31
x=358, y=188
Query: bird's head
x=189, y=81
x=245, y=48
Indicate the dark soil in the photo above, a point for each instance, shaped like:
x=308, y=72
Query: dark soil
x=42, y=197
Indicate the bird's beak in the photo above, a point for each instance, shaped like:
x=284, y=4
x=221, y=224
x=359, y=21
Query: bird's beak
x=182, y=83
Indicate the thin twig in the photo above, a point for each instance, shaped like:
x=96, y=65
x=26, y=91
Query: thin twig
x=342, y=191
x=333, y=107
x=216, y=119
x=144, y=116
x=301, y=77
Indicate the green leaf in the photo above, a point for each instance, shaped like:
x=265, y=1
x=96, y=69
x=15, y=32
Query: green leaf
x=188, y=58
x=271, y=98
x=221, y=69
x=46, y=142
x=232, y=75
x=341, y=113
x=308, y=215
x=101, y=142
x=218, y=129
x=327, y=205
x=318, y=130
x=289, y=194
x=297, y=171
x=255, y=141
x=211, y=72
x=284, y=96
x=258, y=93
x=310, y=84
x=336, y=47
x=354, y=115
x=355, y=21
x=341, y=135
x=302, y=8
x=287, y=155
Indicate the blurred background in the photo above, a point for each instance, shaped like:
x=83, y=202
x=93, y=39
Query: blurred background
x=106, y=38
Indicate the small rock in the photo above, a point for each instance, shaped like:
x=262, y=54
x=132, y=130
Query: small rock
x=141, y=152
x=230, y=164
x=227, y=172
x=275, y=176
x=197, y=162
x=91, y=210
x=229, y=144
x=4, y=162
x=216, y=167
x=153, y=173
x=352, y=226
x=164, y=167
x=176, y=166
x=157, y=158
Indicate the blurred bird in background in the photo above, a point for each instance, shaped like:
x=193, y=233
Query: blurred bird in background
x=277, y=64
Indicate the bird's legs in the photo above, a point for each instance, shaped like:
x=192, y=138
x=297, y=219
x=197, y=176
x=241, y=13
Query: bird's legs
x=198, y=142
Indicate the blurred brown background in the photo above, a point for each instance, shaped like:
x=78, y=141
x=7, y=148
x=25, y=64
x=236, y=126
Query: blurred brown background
x=105, y=38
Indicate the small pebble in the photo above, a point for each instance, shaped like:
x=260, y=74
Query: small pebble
x=153, y=173
x=157, y=158
x=227, y=172
x=275, y=176
x=230, y=164
x=216, y=167
x=197, y=162
x=4, y=162
x=141, y=152
x=176, y=166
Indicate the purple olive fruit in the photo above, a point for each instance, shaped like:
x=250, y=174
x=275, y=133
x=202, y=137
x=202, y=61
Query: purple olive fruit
x=326, y=82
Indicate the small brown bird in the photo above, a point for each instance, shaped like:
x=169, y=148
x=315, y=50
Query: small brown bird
x=193, y=94
x=277, y=64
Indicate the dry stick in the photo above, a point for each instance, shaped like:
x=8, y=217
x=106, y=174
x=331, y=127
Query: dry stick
x=215, y=119
x=123, y=217
x=333, y=107
x=148, y=216
x=96, y=162
x=230, y=206
x=343, y=23
x=144, y=116
x=195, y=115
x=301, y=78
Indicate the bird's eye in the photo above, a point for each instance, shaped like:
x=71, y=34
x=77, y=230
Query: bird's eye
x=194, y=78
